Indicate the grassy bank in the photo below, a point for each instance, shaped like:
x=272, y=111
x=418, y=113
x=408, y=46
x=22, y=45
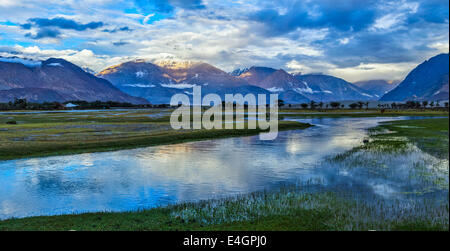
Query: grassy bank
x=48, y=134
x=288, y=209
x=90, y=140
x=429, y=135
x=293, y=208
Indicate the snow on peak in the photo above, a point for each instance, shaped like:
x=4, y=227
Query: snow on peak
x=174, y=64
x=275, y=89
x=178, y=86
x=55, y=64
x=307, y=89
x=140, y=85
x=140, y=74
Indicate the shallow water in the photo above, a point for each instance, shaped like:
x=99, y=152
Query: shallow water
x=148, y=177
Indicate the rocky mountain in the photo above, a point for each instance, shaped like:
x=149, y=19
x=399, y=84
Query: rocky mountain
x=377, y=88
x=428, y=81
x=276, y=81
x=328, y=88
x=238, y=72
x=299, y=88
x=159, y=81
x=55, y=80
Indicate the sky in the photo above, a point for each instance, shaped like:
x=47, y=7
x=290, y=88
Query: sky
x=354, y=40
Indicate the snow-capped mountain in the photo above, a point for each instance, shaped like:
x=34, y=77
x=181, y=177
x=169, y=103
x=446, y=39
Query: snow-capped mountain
x=428, y=81
x=159, y=81
x=327, y=88
x=54, y=80
x=303, y=88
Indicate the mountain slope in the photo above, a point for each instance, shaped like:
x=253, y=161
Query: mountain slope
x=377, y=87
x=276, y=81
x=56, y=80
x=328, y=88
x=158, y=82
x=428, y=81
x=302, y=88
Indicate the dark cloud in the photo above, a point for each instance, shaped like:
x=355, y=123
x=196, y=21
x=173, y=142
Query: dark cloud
x=351, y=38
x=26, y=26
x=168, y=6
x=44, y=33
x=61, y=23
x=121, y=43
x=125, y=28
x=338, y=15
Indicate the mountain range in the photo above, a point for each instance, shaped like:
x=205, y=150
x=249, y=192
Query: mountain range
x=55, y=80
x=156, y=82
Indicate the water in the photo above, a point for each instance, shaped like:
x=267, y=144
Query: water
x=153, y=176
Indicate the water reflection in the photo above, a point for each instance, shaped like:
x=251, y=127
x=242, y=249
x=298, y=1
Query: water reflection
x=148, y=177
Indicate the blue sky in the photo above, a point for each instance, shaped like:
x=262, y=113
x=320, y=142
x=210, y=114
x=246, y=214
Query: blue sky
x=355, y=40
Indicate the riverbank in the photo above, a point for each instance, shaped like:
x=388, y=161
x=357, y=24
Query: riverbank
x=52, y=134
x=294, y=208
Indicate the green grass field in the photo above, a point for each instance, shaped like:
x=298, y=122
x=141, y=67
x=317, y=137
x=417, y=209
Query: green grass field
x=48, y=134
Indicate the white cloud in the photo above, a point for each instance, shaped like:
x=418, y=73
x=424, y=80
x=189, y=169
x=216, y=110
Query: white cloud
x=374, y=71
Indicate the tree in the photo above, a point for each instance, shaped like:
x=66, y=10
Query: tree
x=280, y=103
x=424, y=103
x=304, y=105
x=335, y=104
x=360, y=104
x=312, y=104
x=432, y=104
x=353, y=105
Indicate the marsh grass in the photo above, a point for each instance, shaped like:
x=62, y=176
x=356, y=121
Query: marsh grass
x=290, y=208
x=48, y=134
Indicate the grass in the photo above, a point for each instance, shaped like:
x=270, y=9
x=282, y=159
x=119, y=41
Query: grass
x=48, y=134
x=287, y=209
x=429, y=135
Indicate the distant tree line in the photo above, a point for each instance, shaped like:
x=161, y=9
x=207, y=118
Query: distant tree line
x=361, y=105
x=23, y=104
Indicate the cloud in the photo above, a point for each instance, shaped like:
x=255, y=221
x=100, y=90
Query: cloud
x=44, y=33
x=125, y=28
x=121, y=43
x=347, y=38
x=62, y=23
x=338, y=15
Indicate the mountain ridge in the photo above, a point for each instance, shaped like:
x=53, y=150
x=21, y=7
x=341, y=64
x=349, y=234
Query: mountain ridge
x=427, y=81
x=59, y=79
